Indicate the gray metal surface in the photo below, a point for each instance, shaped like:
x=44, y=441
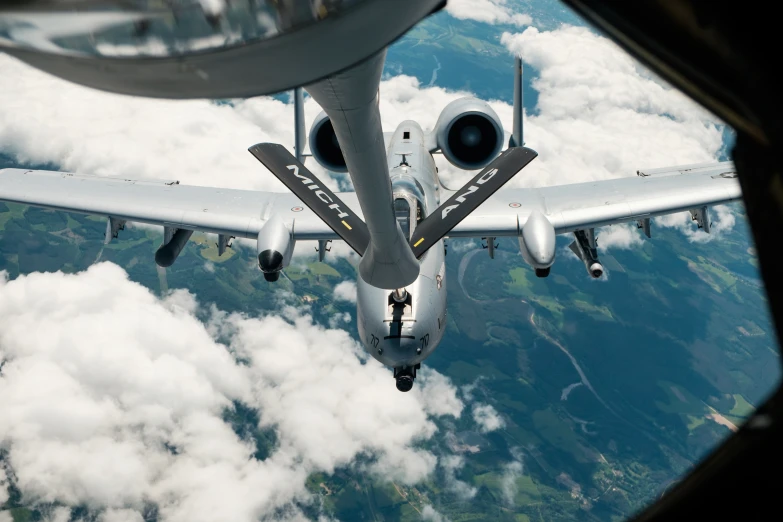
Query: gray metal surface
x=300, y=134
x=351, y=101
x=517, y=135
x=537, y=240
x=241, y=213
x=238, y=213
x=234, y=55
x=600, y=203
x=450, y=115
x=418, y=331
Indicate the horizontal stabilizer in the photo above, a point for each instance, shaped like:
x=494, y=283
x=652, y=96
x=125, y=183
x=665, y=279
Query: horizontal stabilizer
x=322, y=201
x=468, y=198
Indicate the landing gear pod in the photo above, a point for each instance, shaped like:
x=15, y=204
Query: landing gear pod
x=174, y=240
x=275, y=248
x=537, y=243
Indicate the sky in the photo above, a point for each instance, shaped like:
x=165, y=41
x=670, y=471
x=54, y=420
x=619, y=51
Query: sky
x=118, y=403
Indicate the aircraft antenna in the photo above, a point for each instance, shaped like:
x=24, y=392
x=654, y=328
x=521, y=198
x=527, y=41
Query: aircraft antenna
x=517, y=138
x=299, y=125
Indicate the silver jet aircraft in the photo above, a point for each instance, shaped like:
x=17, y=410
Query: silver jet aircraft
x=399, y=215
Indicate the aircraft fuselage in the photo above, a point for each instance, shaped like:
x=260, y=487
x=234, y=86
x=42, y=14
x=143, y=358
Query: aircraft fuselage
x=402, y=331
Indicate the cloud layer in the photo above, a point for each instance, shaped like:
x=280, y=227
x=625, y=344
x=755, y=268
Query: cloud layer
x=489, y=11
x=345, y=291
x=120, y=401
x=487, y=418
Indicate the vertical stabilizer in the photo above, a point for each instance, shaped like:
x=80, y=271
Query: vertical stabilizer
x=517, y=138
x=299, y=124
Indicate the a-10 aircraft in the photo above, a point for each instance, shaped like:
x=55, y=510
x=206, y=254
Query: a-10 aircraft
x=400, y=213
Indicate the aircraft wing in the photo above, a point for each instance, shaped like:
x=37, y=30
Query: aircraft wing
x=594, y=204
x=238, y=213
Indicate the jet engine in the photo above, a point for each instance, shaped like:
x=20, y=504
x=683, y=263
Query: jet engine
x=275, y=248
x=324, y=146
x=469, y=133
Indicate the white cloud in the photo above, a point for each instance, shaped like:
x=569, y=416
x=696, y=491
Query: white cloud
x=119, y=401
x=213, y=6
x=621, y=237
x=508, y=483
x=721, y=218
x=195, y=141
x=441, y=397
x=489, y=11
x=345, y=291
x=337, y=320
x=451, y=464
x=601, y=114
x=121, y=515
x=5, y=516
x=459, y=246
x=429, y=513
x=487, y=418
x=58, y=514
x=468, y=389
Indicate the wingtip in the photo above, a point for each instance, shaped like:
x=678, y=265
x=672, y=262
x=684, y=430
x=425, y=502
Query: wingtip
x=530, y=151
x=262, y=144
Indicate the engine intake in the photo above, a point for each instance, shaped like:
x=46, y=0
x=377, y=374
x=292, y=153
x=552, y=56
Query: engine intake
x=469, y=133
x=324, y=145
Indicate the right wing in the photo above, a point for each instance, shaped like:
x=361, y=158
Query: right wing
x=595, y=204
x=229, y=212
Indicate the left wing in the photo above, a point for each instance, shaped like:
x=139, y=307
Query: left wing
x=583, y=206
x=229, y=212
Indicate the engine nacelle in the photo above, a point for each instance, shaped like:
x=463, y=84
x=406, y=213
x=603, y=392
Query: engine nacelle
x=469, y=133
x=584, y=246
x=324, y=145
x=275, y=248
x=174, y=240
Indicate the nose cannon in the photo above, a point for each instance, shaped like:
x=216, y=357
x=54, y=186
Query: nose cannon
x=404, y=377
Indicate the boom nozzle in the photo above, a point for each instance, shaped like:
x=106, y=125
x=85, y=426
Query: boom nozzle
x=399, y=295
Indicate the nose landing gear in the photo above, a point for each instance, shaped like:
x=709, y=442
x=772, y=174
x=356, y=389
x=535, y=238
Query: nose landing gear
x=405, y=376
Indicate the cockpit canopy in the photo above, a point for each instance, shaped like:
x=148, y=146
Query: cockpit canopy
x=409, y=204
